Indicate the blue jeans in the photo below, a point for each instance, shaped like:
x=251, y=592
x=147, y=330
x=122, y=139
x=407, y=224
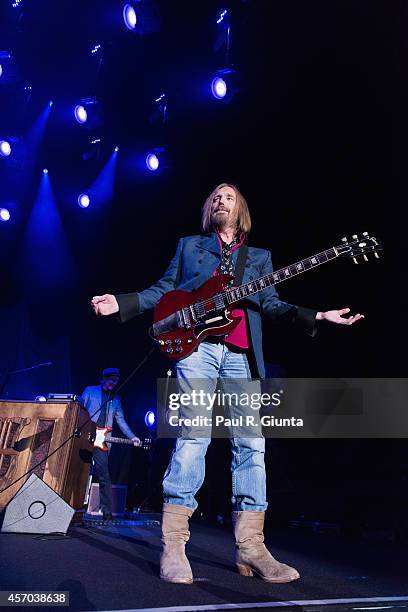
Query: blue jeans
x=186, y=470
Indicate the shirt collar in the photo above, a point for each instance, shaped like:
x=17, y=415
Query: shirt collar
x=235, y=244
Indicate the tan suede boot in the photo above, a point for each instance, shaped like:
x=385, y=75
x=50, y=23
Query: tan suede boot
x=174, y=565
x=252, y=556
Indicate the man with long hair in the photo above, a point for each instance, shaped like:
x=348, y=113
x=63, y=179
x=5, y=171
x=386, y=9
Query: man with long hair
x=225, y=222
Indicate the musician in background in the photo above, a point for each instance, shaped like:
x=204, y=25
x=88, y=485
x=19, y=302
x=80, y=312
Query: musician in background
x=225, y=222
x=103, y=406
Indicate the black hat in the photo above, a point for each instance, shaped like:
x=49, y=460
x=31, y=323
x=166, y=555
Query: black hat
x=110, y=372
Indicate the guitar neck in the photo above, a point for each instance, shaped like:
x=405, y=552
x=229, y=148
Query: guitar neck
x=235, y=294
x=120, y=440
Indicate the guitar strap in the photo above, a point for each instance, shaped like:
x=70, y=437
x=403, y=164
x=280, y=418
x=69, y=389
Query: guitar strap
x=240, y=265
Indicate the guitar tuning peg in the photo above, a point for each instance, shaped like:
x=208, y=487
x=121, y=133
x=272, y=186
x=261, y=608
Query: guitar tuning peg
x=365, y=233
x=365, y=257
x=354, y=237
x=376, y=255
x=344, y=239
x=355, y=260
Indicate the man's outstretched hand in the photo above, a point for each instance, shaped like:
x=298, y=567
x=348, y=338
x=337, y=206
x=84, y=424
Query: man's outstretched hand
x=336, y=316
x=104, y=304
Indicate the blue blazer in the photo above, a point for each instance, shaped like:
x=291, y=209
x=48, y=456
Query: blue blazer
x=196, y=259
x=92, y=400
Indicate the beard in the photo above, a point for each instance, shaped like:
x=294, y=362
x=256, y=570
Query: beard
x=221, y=221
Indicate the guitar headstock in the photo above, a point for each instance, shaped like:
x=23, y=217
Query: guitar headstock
x=146, y=444
x=360, y=247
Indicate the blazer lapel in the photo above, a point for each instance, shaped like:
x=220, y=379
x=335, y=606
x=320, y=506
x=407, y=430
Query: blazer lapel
x=210, y=243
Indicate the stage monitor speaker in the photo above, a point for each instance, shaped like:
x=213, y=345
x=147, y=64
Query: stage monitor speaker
x=36, y=508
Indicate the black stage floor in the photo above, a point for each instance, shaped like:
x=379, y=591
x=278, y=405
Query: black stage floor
x=116, y=568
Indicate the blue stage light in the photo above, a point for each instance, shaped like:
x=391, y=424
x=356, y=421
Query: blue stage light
x=116, y=149
x=50, y=103
x=102, y=189
x=45, y=171
x=95, y=49
x=221, y=16
x=88, y=113
x=129, y=16
x=152, y=162
x=4, y=214
x=5, y=148
x=84, y=200
x=80, y=114
x=218, y=88
x=150, y=418
x=1, y=70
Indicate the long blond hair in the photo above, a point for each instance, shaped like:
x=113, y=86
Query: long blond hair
x=243, y=217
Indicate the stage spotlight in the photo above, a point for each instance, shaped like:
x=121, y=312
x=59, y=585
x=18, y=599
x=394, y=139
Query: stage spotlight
x=80, y=114
x=219, y=88
x=159, y=109
x=152, y=162
x=96, y=49
x=40, y=398
x=225, y=84
x=45, y=171
x=116, y=149
x=5, y=148
x=84, y=200
x=150, y=418
x=88, y=113
x=221, y=16
x=129, y=16
x=1, y=70
x=4, y=214
x=50, y=103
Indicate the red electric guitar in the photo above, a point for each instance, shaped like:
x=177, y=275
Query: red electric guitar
x=102, y=437
x=182, y=319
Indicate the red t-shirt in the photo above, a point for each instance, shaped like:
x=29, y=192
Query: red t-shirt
x=239, y=336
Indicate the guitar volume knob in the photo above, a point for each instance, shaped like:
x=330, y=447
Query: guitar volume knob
x=169, y=350
x=168, y=342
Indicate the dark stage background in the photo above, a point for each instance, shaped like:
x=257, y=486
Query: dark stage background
x=316, y=141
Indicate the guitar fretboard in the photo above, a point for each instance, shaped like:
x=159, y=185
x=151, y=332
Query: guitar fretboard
x=121, y=440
